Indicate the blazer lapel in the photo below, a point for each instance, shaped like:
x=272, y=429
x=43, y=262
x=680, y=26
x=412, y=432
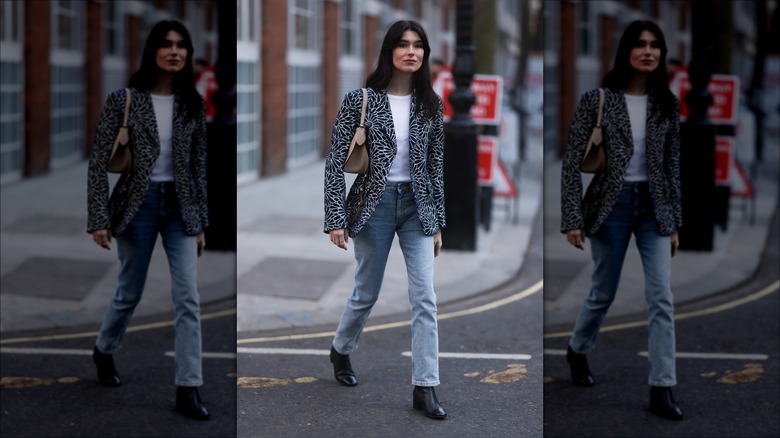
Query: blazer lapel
x=652, y=141
x=180, y=143
x=414, y=126
x=388, y=128
x=624, y=128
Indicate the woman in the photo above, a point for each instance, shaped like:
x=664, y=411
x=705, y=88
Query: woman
x=638, y=193
x=164, y=193
x=404, y=194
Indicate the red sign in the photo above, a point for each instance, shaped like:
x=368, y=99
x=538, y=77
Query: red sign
x=725, y=98
x=724, y=157
x=487, y=153
x=488, y=90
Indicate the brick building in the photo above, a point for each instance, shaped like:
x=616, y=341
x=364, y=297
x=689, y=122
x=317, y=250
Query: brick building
x=58, y=61
x=297, y=59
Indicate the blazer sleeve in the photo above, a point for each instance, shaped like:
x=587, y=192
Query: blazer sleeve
x=347, y=120
x=436, y=165
x=108, y=124
x=672, y=164
x=571, y=180
x=199, y=165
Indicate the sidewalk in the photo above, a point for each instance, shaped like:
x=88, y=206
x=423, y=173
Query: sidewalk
x=53, y=275
x=735, y=257
x=290, y=275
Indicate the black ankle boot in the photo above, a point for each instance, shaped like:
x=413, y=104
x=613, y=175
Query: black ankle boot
x=580, y=372
x=107, y=375
x=424, y=398
x=342, y=368
x=188, y=403
x=662, y=403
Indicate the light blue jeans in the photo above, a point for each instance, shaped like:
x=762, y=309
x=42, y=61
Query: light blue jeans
x=632, y=214
x=396, y=213
x=159, y=213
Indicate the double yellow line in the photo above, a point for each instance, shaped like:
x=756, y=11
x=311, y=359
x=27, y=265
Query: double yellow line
x=536, y=287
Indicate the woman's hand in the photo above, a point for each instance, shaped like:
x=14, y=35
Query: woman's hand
x=437, y=242
x=102, y=238
x=201, y=243
x=675, y=243
x=576, y=238
x=339, y=238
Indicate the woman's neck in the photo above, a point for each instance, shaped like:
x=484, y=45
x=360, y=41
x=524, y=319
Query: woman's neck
x=163, y=85
x=637, y=85
x=400, y=84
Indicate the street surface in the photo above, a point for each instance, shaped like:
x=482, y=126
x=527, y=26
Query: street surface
x=720, y=394
x=57, y=395
x=295, y=395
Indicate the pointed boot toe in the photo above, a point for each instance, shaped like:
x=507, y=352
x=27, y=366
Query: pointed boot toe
x=424, y=399
x=662, y=403
x=188, y=403
x=342, y=368
x=106, y=372
x=578, y=365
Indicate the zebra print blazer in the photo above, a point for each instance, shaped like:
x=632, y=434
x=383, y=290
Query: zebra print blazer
x=189, y=161
x=663, y=164
x=426, y=161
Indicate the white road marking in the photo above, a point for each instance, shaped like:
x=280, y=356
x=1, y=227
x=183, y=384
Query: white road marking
x=296, y=351
x=683, y=355
x=728, y=356
x=311, y=352
x=207, y=355
x=80, y=352
x=477, y=356
x=58, y=351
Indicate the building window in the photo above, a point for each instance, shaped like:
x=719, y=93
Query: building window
x=304, y=113
x=246, y=28
x=350, y=28
x=66, y=24
x=303, y=25
x=112, y=28
x=67, y=82
x=586, y=29
x=304, y=83
x=248, y=118
x=11, y=91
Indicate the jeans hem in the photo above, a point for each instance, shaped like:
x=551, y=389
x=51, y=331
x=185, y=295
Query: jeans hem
x=190, y=384
x=666, y=383
x=418, y=383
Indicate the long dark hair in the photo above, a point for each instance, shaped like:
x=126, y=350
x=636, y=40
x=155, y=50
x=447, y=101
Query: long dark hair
x=657, y=81
x=379, y=79
x=183, y=81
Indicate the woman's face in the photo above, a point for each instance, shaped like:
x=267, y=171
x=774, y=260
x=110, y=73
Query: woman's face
x=646, y=53
x=172, y=55
x=408, y=54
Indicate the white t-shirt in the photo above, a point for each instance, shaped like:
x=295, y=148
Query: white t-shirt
x=401, y=106
x=637, y=113
x=163, y=111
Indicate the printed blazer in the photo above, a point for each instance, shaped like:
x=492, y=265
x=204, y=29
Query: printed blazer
x=426, y=161
x=662, y=155
x=189, y=164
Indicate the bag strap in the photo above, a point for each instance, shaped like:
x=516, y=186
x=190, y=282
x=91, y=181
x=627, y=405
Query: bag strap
x=601, y=107
x=363, y=110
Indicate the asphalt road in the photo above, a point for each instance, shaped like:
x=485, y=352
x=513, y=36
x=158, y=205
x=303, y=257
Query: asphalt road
x=57, y=395
x=726, y=397
x=286, y=395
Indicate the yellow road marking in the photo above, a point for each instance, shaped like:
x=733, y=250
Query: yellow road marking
x=135, y=328
x=708, y=311
x=536, y=287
